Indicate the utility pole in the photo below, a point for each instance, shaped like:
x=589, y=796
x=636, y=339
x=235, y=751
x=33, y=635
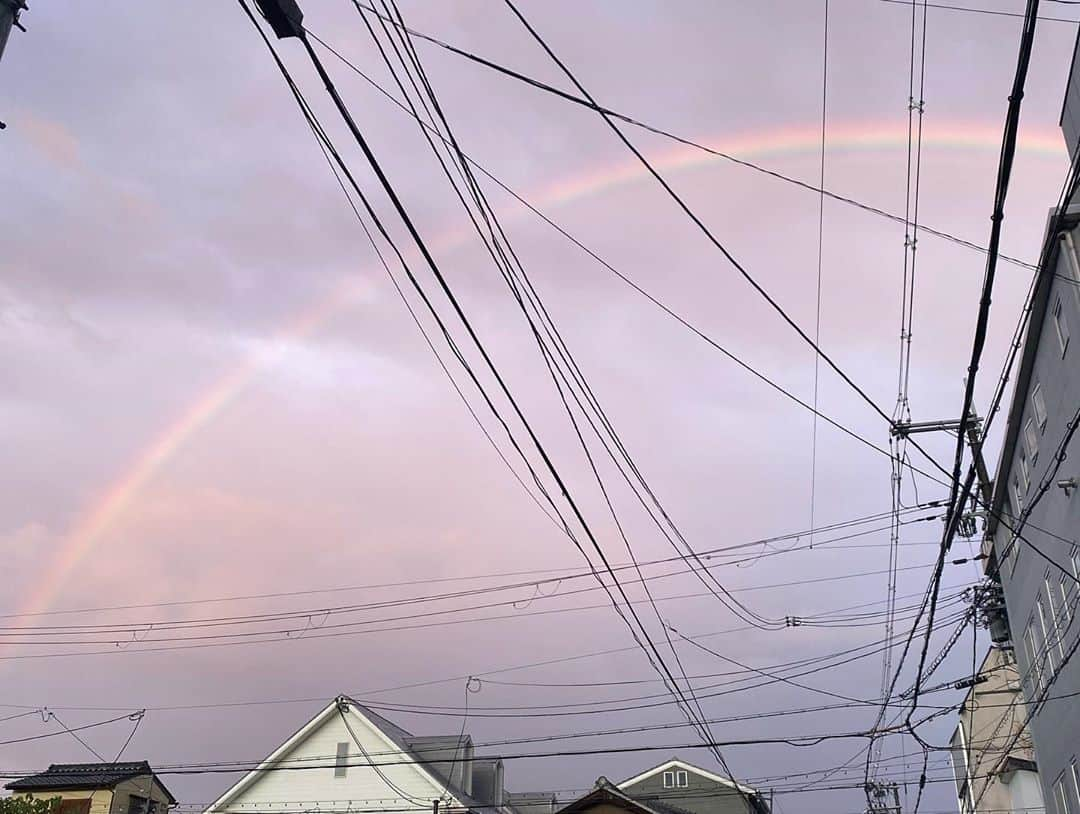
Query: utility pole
x=9, y=16
x=882, y=798
x=902, y=429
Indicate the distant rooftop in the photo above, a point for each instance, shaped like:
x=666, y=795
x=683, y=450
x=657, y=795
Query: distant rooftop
x=61, y=776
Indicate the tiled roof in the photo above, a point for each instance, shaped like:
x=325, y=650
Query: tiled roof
x=60, y=776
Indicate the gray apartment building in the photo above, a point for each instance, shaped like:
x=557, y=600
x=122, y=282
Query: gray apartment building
x=1041, y=594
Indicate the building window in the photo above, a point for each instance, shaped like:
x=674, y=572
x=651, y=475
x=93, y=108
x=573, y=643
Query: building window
x=681, y=780
x=1038, y=406
x=669, y=780
x=1068, y=598
x=342, y=761
x=1065, y=792
x=1049, y=633
x=1033, y=650
x=1075, y=776
x=1059, y=614
x=1018, y=496
x=140, y=805
x=1024, y=471
x=1031, y=440
x=1060, y=325
x=959, y=757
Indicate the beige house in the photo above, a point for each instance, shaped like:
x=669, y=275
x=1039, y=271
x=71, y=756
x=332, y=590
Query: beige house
x=992, y=754
x=98, y=788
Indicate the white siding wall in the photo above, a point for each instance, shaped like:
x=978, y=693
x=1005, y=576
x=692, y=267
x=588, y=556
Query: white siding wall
x=361, y=788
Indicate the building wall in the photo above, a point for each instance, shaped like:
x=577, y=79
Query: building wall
x=100, y=799
x=1070, y=110
x=1026, y=793
x=144, y=786
x=1041, y=608
x=700, y=796
x=987, y=727
x=399, y=786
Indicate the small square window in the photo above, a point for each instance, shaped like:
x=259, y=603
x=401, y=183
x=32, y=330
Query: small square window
x=1038, y=406
x=681, y=780
x=1061, y=325
x=669, y=780
x=1031, y=440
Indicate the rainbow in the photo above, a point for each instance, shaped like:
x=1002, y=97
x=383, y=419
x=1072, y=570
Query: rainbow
x=103, y=513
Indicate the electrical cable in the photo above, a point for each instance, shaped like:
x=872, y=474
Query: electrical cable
x=1008, y=151
x=682, y=139
x=705, y=229
x=636, y=627
x=820, y=245
x=992, y=12
x=618, y=274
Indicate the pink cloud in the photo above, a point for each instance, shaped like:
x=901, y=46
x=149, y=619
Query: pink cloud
x=52, y=139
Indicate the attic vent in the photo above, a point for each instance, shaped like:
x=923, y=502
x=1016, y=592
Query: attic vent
x=342, y=762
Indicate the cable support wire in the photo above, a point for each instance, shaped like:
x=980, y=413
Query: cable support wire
x=558, y=574
x=34, y=709
x=959, y=495
x=260, y=637
x=538, y=590
x=902, y=410
x=346, y=627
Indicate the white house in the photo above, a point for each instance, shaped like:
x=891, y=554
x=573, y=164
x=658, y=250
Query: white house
x=350, y=759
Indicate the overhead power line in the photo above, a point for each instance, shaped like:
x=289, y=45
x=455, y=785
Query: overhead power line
x=957, y=495
x=685, y=208
x=987, y=11
x=682, y=320
x=684, y=140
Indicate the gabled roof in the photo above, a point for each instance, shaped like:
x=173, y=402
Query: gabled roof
x=395, y=736
x=81, y=776
x=675, y=763
x=605, y=792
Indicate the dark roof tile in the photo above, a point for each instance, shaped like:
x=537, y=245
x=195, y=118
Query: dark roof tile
x=60, y=776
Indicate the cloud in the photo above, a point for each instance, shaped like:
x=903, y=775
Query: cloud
x=175, y=224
